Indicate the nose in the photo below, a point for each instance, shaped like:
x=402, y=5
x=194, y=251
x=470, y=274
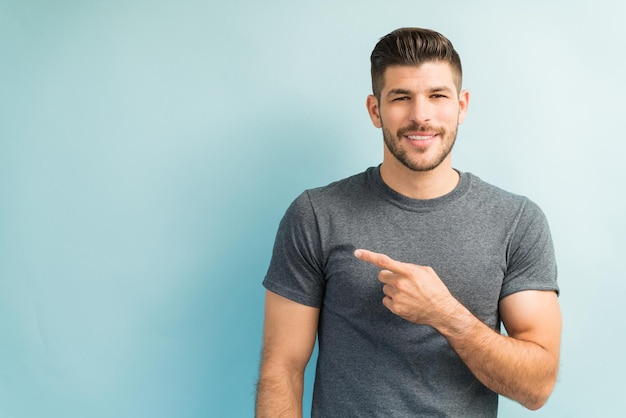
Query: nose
x=421, y=110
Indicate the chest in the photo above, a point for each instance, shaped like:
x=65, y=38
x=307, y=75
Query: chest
x=470, y=260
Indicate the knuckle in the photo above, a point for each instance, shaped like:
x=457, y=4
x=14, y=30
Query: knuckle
x=383, y=262
x=402, y=285
x=428, y=269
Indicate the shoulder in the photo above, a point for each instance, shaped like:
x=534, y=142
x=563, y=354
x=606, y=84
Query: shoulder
x=484, y=189
x=502, y=199
x=516, y=213
x=344, y=187
x=342, y=193
x=321, y=201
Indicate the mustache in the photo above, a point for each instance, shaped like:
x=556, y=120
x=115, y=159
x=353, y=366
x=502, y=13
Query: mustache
x=416, y=127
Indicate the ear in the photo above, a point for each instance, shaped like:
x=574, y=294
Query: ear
x=374, y=110
x=464, y=97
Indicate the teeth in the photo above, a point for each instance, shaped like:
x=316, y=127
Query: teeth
x=419, y=137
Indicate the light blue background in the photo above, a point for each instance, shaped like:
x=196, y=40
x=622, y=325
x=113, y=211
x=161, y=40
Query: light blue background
x=149, y=148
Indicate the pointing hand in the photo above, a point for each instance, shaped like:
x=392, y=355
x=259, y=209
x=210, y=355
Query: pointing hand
x=413, y=292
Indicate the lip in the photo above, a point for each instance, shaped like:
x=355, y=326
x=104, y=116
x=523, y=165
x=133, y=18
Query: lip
x=421, y=136
x=421, y=139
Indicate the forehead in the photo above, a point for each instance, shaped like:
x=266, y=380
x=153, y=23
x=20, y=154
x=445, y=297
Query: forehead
x=424, y=76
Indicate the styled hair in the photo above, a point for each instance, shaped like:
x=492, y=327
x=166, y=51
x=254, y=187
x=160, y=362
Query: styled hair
x=412, y=46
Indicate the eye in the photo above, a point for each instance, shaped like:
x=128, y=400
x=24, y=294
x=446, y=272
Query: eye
x=401, y=98
x=438, y=96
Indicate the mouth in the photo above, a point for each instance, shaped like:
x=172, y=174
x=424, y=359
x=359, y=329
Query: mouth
x=420, y=137
x=421, y=140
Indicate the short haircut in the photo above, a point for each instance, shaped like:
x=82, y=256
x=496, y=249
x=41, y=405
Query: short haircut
x=413, y=47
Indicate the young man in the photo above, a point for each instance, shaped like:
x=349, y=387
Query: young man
x=406, y=271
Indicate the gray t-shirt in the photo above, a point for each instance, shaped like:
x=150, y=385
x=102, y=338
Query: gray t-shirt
x=483, y=242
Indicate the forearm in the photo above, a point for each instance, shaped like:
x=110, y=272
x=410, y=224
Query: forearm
x=522, y=367
x=279, y=394
x=521, y=370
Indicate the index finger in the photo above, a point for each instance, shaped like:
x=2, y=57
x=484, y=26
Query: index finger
x=382, y=261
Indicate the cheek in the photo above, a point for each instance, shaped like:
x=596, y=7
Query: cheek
x=392, y=118
x=452, y=115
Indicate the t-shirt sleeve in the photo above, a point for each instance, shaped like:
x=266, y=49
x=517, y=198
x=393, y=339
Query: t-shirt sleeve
x=531, y=258
x=296, y=266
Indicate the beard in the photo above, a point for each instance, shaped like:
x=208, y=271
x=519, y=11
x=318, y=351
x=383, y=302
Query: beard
x=392, y=142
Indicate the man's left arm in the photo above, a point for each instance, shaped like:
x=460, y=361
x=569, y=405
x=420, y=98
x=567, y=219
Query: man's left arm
x=522, y=366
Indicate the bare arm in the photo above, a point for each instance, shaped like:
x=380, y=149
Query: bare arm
x=522, y=366
x=288, y=339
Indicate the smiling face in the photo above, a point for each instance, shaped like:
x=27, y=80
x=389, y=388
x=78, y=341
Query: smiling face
x=419, y=111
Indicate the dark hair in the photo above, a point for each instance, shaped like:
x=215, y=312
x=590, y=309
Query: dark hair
x=412, y=46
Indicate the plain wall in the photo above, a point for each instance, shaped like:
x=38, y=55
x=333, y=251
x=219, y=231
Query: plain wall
x=148, y=150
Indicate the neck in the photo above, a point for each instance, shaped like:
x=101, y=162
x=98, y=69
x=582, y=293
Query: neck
x=420, y=184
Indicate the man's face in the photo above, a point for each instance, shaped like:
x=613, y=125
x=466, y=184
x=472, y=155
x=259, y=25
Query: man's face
x=419, y=112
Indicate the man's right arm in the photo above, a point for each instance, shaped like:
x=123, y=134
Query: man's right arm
x=289, y=335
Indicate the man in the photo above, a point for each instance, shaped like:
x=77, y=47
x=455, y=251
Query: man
x=406, y=271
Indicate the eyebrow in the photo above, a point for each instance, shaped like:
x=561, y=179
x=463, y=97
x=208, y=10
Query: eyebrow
x=441, y=88
x=399, y=92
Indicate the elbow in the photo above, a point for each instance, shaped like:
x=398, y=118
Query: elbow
x=535, y=404
x=540, y=388
x=539, y=396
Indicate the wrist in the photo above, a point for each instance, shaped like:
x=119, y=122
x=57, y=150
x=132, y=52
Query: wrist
x=456, y=320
